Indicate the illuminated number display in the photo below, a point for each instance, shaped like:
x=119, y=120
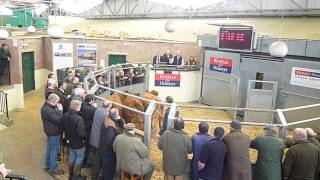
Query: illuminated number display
x=235, y=39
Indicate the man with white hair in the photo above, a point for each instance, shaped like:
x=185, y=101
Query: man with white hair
x=51, y=114
x=78, y=94
x=311, y=137
x=178, y=60
x=302, y=159
x=50, y=89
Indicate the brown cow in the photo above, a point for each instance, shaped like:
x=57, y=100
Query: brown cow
x=157, y=115
x=118, y=98
x=133, y=117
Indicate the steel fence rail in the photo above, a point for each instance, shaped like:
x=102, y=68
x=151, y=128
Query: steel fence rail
x=227, y=108
x=304, y=121
x=228, y=122
x=301, y=107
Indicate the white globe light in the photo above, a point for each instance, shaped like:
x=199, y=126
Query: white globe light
x=170, y=26
x=31, y=29
x=4, y=34
x=278, y=49
x=55, y=31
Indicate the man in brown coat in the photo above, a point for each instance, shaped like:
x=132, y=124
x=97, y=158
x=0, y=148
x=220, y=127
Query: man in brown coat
x=237, y=161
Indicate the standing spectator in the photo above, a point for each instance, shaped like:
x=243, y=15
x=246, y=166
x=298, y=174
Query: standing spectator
x=198, y=140
x=51, y=114
x=178, y=59
x=5, y=57
x=80, y=75
x=132, y=154
x=75, y=132
x=109, y=131
x=78, y=94
x=237, y=164
x=212, y=156
x=60, y=91
x=88, y=108
x=51, y=87
x=98, y=119
x=164, y=127
x=168, y=58
x=302, y=159
x=175, y=145
x=157, y=60
x=270, y=151
x=311, y=137
x=50, y=76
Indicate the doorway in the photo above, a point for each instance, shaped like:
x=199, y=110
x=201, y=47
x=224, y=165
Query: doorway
x=28, y=71
x=116, y=59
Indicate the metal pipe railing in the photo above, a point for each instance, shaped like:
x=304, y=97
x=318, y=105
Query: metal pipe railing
x=304, y=121
x=226, y=108
x=301, y=107
x=228, y=122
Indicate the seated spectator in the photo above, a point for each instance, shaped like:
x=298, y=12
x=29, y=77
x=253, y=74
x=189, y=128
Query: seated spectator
x=109, y=131
x=237, y=163
x=99, y=116
x=51, y=88
x=175, y=145
x=75, y=133
x=164, y=126
x=212, y=156
x=302, y=159
x=132, y=154
x=270, y=150
x=311, y=137
x=198, y=140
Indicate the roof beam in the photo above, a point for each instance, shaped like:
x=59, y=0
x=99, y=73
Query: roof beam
x=297, y=4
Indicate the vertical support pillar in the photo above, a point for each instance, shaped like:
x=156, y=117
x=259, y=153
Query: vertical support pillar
x=283, y=128
x=114, y=75
x=172, y=115
x=109, y=82
x=147, y=125
x=146, y=78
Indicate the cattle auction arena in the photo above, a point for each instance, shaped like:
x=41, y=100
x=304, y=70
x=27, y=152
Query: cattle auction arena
x=191, y=128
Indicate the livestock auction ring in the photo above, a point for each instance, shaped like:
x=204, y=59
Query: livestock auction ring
x=142, y=103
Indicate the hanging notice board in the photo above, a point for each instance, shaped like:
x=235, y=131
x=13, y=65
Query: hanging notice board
x=62, y=55
x=87, y=55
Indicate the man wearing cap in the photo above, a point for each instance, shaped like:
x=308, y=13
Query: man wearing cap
x=237, y=163
x=302, y=159
x=132, y=154
x=270, y=150
x=212, y=156
x=311, y=137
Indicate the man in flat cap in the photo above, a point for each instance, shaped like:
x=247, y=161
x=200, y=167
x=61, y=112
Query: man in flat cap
x=237, y=163
x=132, y=154
x=270, y=150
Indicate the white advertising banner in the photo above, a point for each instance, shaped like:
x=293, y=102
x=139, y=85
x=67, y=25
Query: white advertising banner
x=62, y=55
x=87, y=55
x=305, y=77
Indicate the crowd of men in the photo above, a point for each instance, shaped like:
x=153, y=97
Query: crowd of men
x=170, y=60
x=98, y=137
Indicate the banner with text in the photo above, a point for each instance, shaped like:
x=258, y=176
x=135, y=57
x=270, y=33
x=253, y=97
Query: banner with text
x=222, y=65
x=167, y=80
x=305, y=77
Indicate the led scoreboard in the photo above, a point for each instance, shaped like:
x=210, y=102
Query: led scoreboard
x=233, y=38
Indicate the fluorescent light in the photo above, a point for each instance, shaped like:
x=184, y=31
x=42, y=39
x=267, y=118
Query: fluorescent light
x=78, y=6
x=188, y=3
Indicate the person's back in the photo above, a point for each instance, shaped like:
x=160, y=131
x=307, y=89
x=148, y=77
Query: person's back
x=238, y=164
x=175, y=145
x=212, y=155
x=270, y=152
x=302, y=161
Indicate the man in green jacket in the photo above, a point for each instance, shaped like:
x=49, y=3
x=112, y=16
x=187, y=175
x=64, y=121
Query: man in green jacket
x=175, y=145
x=270, y=151
x=302, y=159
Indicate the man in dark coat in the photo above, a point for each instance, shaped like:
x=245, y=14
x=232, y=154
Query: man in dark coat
x=311, y=137
x=175, y=145
x=237, y=164
x=51, y=88
x=157, y=60
x=178, y=60
x=270, y=151
x=198, y=140
x=51, y=114
x=60, y=91
x=164, y=126
x=302, y=159
x=5, y=57
x=110, y=129
x=75, y=132
x=168, y=58
x=212, y=156
x=88, y=108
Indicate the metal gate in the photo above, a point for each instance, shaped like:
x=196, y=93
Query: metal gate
x=261, y=95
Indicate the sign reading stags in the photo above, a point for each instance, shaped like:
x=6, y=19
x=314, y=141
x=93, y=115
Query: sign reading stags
x=221, y=65
x=167, y=80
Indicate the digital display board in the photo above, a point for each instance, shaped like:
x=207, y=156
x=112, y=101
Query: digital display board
x=239, y=39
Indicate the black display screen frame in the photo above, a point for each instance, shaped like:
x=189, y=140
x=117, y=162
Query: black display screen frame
x=243, y=46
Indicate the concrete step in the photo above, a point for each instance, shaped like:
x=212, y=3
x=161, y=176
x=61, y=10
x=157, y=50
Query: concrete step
x=4, y=120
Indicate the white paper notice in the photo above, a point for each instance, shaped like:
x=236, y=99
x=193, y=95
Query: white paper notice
x=305, y=77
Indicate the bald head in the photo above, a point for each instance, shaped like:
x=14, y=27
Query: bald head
x=299, y=134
